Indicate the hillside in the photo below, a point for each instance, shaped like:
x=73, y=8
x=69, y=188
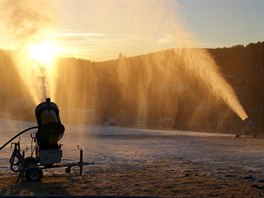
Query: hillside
x=148, y=90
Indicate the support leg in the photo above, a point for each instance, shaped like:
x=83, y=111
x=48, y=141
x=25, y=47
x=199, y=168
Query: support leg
x=81, y=162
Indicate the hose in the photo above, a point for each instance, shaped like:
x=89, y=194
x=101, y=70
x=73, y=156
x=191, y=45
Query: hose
x=28, y=129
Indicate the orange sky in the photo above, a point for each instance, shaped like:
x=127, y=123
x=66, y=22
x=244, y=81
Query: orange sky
x=100, y=30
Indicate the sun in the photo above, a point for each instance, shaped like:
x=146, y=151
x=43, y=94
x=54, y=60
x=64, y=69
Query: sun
x=44, y=52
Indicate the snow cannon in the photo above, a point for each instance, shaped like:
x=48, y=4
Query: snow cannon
x=248, y=128
x=45, y=151
x=50, y=131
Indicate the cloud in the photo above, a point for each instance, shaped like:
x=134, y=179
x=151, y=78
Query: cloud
x=163, y=40
x=79, y=34
x=75, y=35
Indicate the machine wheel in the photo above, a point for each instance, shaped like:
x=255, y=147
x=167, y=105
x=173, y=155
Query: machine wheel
x=34, y=174
x=30, y=160
x=67, y=170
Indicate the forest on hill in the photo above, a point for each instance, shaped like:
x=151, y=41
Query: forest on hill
x=152, y=90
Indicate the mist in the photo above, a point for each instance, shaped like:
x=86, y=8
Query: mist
x=146, y=89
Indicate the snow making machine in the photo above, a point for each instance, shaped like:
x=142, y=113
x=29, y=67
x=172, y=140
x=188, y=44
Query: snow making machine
x=45, y=152
x=248, y=129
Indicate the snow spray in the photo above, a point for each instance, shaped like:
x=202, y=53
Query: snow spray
x=157, y=79
x=28, y=26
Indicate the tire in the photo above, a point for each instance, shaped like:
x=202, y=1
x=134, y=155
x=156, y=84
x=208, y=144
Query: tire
x=67, y=170
x=30, y=160
x=34, y=174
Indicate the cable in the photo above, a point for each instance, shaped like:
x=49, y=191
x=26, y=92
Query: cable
x=28, y=129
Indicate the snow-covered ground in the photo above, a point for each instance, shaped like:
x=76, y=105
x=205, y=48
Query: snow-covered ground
x=108, y=146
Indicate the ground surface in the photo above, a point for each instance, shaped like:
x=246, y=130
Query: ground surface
x=140, y=162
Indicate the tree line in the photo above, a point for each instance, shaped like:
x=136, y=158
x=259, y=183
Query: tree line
x=149, y=90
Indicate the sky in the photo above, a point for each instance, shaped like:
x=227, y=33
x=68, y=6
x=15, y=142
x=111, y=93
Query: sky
x=100, y=30
x=224, y=23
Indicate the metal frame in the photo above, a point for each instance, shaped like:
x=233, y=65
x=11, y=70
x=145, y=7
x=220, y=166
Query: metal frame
x=19, y=163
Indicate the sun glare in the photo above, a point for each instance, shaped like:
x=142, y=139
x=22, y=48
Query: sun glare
x=43, y=52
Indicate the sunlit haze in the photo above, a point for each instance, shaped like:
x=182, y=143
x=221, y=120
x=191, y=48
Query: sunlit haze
x=100, y=30
x=43, y=52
